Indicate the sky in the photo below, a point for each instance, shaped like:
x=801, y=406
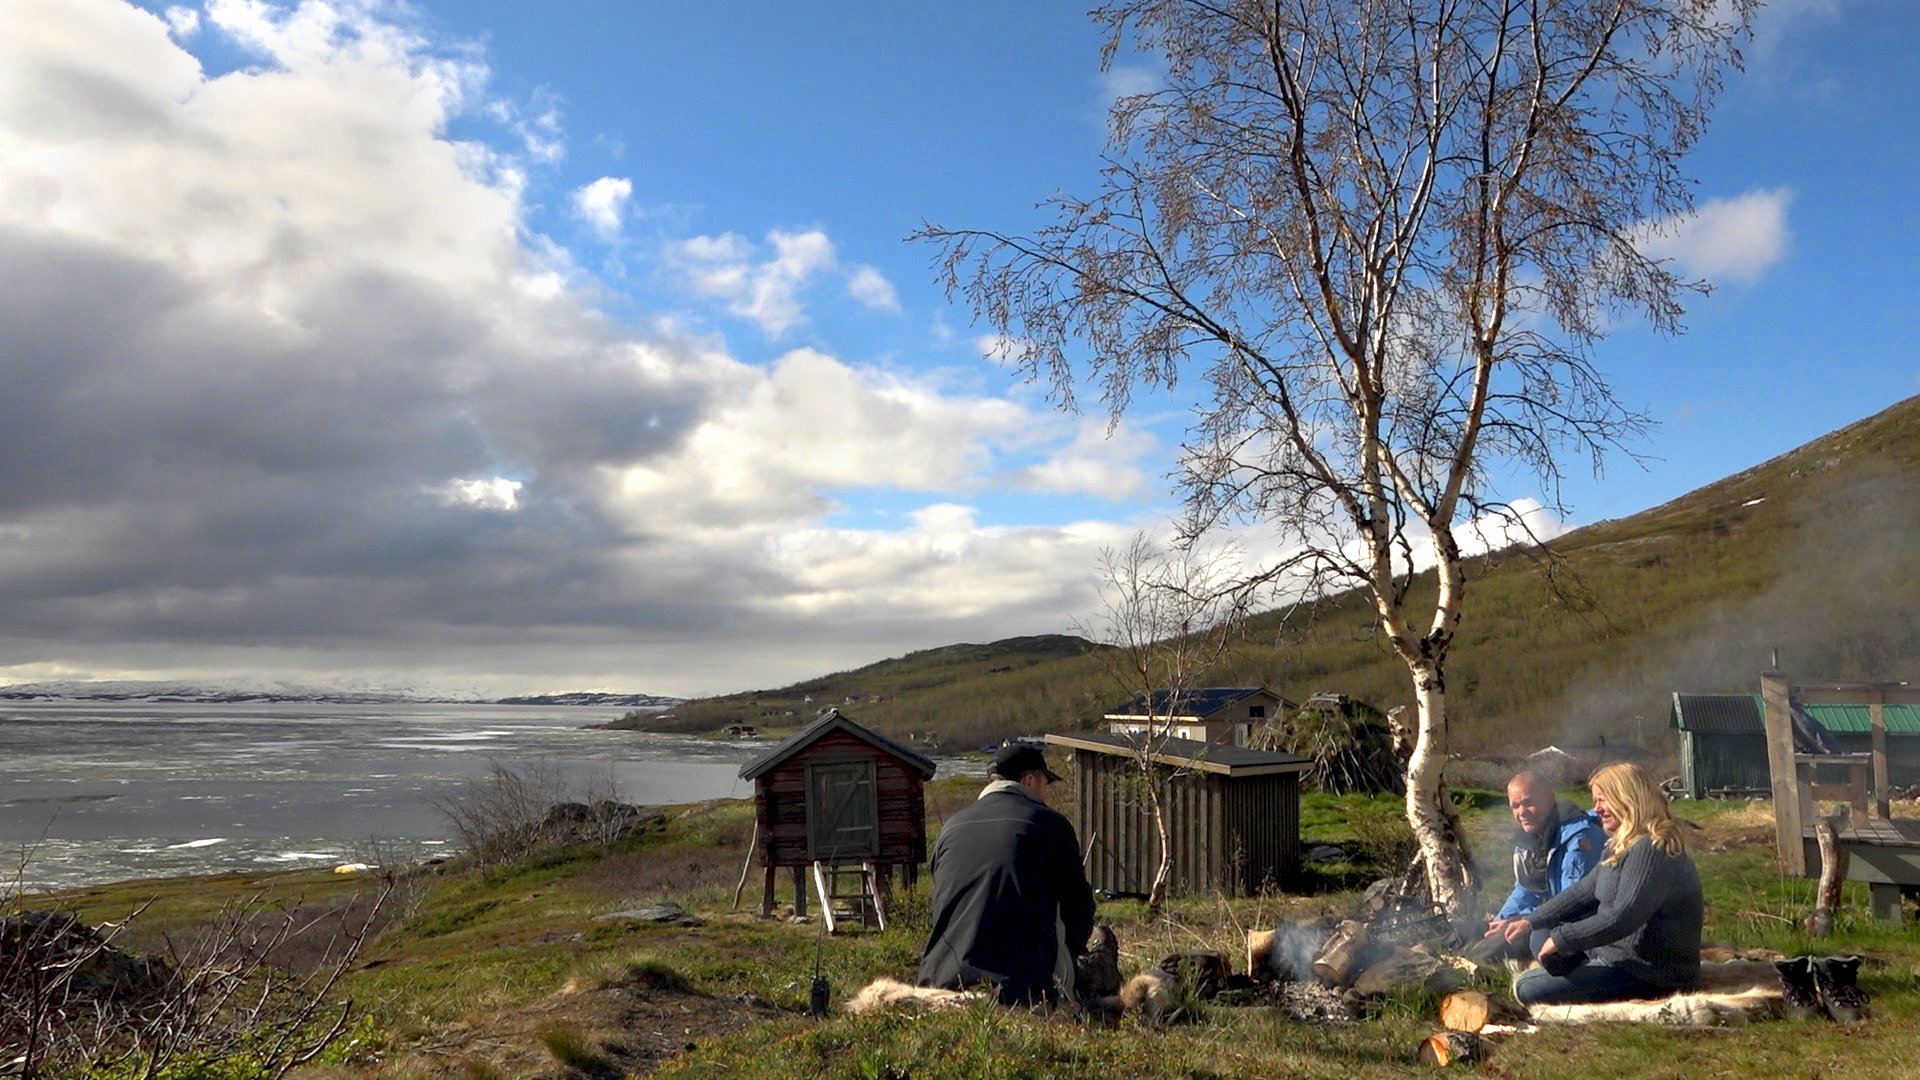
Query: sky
x=479, y=344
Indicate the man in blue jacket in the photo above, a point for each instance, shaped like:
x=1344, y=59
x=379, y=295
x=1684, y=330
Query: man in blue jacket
x=1556, y=844
x=1011, y=905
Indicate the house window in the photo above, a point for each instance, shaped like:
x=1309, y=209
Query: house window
x=1256, y=712
x=843, y=811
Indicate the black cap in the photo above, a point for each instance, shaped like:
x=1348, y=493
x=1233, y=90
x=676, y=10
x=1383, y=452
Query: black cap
x=1016, y=760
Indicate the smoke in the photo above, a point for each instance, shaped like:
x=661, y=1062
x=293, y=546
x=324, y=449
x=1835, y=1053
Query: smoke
x=1839, y=601
x=1290, y=953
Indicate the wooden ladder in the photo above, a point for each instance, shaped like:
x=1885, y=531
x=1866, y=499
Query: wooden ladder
x=861, y=897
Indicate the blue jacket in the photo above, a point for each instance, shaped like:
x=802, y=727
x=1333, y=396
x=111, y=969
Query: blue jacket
x=1578, y=844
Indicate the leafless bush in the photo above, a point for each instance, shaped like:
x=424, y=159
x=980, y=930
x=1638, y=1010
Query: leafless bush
x=498, y=817
x=71, y=1000
x=509, y=814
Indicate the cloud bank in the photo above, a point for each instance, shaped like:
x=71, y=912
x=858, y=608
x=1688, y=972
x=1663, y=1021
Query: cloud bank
x=291, y=388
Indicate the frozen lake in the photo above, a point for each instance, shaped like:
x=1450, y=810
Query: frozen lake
x=105, y=791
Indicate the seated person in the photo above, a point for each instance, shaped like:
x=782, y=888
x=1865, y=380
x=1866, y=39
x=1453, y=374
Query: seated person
x=1555, y=845
x=1630, y=929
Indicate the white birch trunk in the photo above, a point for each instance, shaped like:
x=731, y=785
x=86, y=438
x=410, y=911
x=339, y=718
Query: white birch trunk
x=1429, y=813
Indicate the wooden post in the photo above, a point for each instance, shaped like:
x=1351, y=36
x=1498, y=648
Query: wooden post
x=1784, y=776
x=1833, y=871
x=747, y=867
x=766, y=898
x=1878, y=712
x=1886, y=902
x=799, y=890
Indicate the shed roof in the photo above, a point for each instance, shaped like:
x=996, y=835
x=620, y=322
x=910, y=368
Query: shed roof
x=1200, y=702
x=1230, y=761
x=830, y=721
x=1742, y=713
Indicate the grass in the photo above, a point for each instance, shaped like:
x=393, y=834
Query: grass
x=508, y=973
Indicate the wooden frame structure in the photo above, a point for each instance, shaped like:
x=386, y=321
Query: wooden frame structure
x=1882, y=852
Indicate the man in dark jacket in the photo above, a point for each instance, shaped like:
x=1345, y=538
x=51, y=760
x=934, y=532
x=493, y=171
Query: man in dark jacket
x=1011, y=905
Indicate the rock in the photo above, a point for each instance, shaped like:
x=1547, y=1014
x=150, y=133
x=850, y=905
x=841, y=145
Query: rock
x=1326, y=853
x=52, y=941
x=664, y=912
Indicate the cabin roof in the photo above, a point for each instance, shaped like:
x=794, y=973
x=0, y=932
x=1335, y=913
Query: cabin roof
x=830, y=721
x=1198, y=703
x=1230, y=761
x=1742, y=713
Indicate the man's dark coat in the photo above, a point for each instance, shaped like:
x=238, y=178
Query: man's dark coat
x=1006, y=870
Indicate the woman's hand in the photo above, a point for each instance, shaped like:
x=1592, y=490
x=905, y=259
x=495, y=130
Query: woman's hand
x=1510, y=929
x=1548, y=948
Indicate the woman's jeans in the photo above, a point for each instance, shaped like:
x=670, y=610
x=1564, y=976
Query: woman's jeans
x=1587, y=982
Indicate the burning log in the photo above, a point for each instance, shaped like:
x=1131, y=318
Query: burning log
x=1448, y=1047
x=1341, y=954
x=1404, y=967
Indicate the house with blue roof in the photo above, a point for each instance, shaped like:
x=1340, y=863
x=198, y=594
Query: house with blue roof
x=1214, y=715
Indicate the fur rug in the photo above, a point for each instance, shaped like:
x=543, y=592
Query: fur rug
x=1732, y=992
x=884, y=993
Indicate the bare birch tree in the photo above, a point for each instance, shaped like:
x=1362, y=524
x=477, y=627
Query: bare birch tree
x=1168, y=617
x=1385, y=235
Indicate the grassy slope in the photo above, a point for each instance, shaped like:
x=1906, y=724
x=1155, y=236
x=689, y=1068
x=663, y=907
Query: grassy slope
x=1812, y=554
x=486, y=971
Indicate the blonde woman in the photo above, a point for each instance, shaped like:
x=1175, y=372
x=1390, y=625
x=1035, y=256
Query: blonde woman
x=1631, y=928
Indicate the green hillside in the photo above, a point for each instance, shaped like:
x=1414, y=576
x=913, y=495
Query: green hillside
x=1813, y=554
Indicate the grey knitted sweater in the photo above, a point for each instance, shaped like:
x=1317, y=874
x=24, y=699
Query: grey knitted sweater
x=1642, y=914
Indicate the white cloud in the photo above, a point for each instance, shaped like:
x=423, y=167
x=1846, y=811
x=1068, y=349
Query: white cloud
x=766, y=292
x=1734, y=239
x=1098, y=462
x=491, y=493
x=183, y=22
x=1124, y=80
x=333, y=341
x=869, y=286
x=603, y=203
x=1000, y=349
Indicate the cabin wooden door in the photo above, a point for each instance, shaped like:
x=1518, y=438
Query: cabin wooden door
x=843, y=811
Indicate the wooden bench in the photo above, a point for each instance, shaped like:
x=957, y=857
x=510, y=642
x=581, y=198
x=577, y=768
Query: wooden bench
x=1882, y=852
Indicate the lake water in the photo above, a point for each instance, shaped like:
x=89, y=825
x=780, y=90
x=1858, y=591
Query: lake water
x=94, y=792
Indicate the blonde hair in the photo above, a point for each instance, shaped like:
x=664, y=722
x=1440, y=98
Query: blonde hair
x=1643, y=810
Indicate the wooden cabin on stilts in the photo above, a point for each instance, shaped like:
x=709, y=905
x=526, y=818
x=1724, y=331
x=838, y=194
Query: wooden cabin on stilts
x=839, y=806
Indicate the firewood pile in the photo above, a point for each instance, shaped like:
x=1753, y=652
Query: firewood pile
x=1316, y=972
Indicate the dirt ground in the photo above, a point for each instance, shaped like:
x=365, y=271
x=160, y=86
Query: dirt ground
x=625, y=1029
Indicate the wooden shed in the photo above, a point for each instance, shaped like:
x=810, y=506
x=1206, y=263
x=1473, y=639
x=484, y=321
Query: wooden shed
x=1234, y=814
x=834, y=793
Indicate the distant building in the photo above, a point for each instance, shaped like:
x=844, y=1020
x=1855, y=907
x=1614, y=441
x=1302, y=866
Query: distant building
x=1214, y=715
x=1723, y=740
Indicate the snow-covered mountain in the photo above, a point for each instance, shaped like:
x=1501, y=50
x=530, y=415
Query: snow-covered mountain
x=232, y=692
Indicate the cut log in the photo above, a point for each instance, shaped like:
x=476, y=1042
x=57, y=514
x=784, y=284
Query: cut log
x=1337, y=959
x=1473, y=1010
x=1833, y=871
x=1402, y=967
x=1450, y=1047
x=1260, y=945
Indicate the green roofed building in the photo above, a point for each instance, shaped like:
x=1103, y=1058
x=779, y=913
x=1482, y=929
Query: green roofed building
x=1723, y=740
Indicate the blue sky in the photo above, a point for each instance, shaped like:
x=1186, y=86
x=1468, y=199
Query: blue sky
x=526, y=347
